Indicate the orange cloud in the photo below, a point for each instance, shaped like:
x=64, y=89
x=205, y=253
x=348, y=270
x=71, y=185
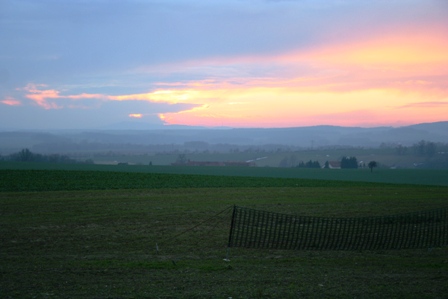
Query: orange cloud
x=388, y=53
x=170, y=96
x=380, y=80
x=440, y=104
x=398, y=60
x=330, y=84
x=278, y=107
x=135, y=115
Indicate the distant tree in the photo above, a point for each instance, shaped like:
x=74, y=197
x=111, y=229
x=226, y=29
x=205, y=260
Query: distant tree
x=401, y=150
x=425, y=148
x=327, y=164
x=349, y=162
x=309, y=164
x=301, y=165
x=312, y=164
x=25, y=155
x=372, y=164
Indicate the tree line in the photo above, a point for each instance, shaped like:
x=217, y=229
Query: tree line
x=422, y=148
x=345, y=163
x=25, y=155
x=309, y=164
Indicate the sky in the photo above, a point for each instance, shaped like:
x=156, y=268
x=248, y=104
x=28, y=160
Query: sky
x=78, y=64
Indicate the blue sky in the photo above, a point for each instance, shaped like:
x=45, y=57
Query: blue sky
x=89, y=64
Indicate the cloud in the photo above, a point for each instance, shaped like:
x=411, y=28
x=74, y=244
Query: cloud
x=110, y=113
x=137, y=106
x=438, y=104
x=47, y=98
x=396, y=61
x=234, y=62
x=50, y=98
x=374, y=62
x=322, y=82
x=10, y=101
x=284, y=106
x=135, y=115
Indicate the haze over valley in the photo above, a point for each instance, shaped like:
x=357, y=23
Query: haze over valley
x=262, y=146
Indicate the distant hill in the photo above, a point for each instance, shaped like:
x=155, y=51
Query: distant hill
x=314, y=136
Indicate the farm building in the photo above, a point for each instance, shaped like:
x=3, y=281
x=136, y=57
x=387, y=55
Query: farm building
x=334, y=164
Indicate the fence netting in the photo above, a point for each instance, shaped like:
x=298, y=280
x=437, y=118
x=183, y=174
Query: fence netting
x=261, y=229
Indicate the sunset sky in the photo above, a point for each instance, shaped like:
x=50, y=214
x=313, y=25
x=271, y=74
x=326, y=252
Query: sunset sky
x=78, y=64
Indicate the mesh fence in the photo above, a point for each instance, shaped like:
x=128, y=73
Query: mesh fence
x=260, y=229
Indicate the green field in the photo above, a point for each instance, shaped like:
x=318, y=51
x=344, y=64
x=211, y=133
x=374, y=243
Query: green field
x=92, y=233
x=438, y=177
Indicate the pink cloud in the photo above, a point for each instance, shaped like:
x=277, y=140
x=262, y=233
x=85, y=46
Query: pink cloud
x=364, y=81
x=393, y=60
x=11, y=102
x=435, y=104
x=41, y=97
x=50, y=98
x=375, y=74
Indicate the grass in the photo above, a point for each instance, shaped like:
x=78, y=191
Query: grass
x=101, y=243
x=59, y=180
x=395, y=176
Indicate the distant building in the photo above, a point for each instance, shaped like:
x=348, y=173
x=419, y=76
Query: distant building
x=334, y=164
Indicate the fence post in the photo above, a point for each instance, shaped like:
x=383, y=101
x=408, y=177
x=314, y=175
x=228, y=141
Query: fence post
x=232, y=223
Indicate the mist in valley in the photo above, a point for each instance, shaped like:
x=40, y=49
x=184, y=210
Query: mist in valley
x=422, y=145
